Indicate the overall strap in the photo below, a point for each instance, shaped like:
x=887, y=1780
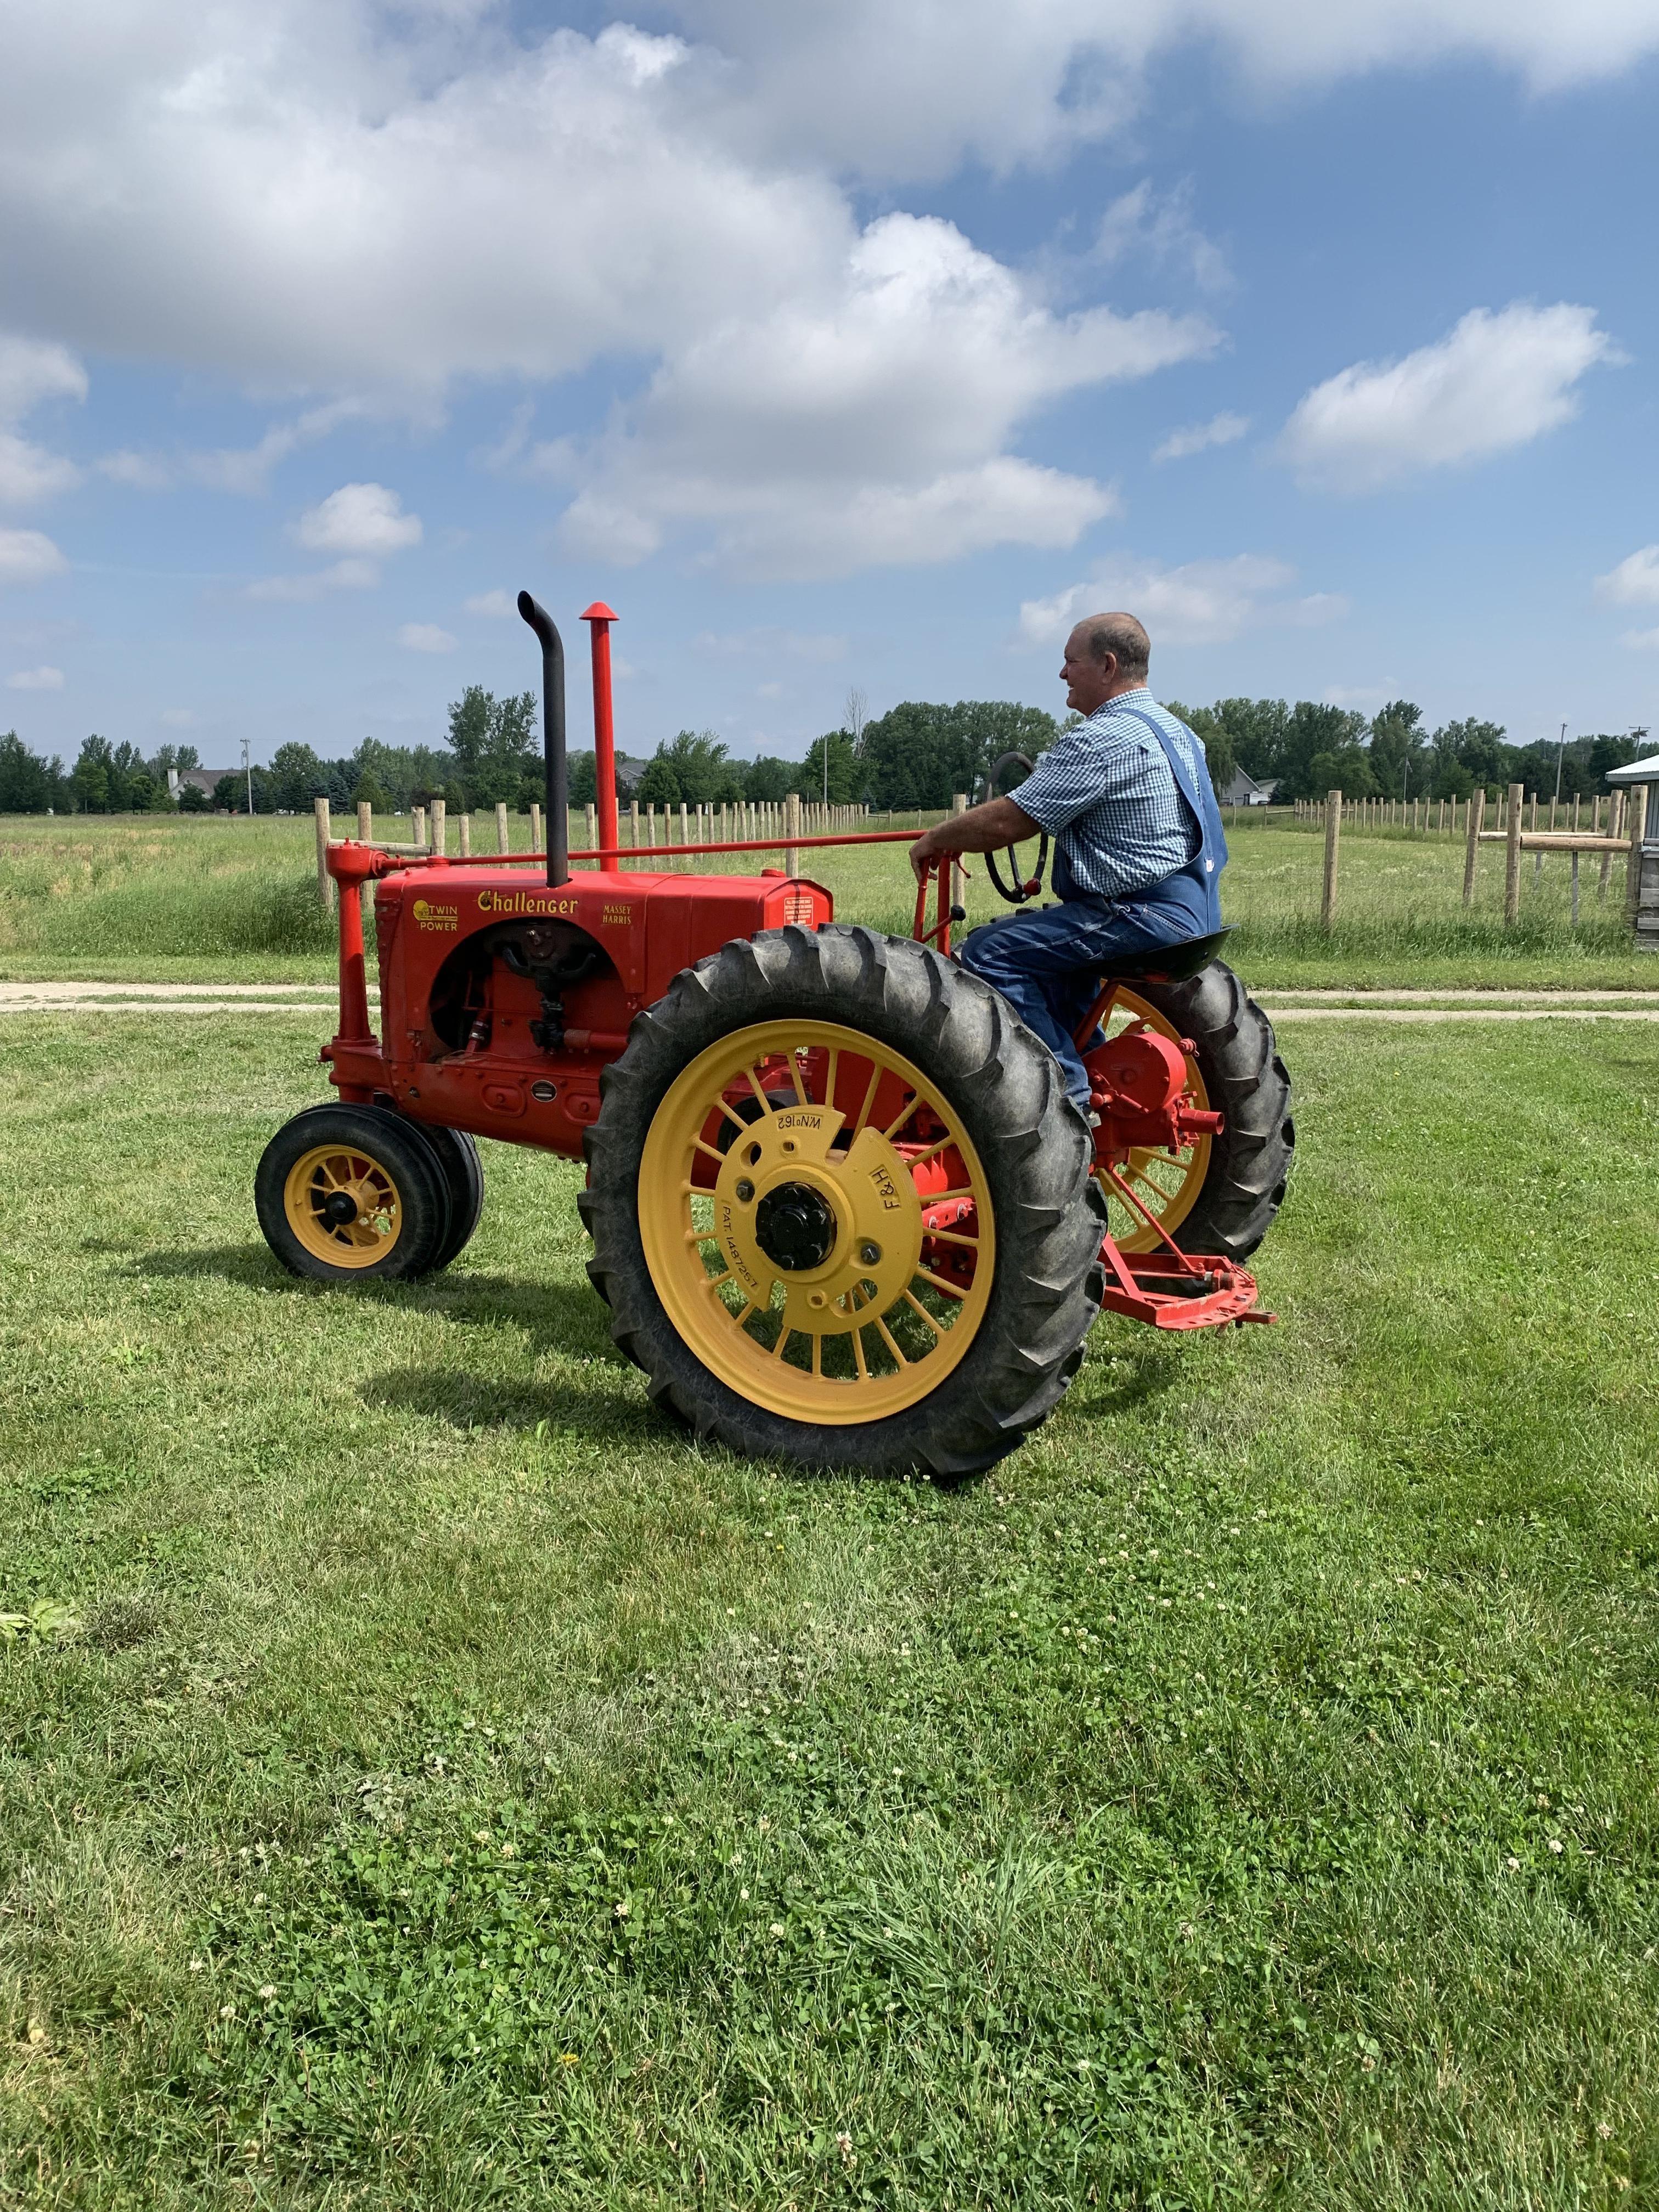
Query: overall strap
x=1200, y=796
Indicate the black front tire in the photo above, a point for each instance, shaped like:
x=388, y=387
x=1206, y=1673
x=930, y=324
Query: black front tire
x=406, y=1170
x=456, y=1153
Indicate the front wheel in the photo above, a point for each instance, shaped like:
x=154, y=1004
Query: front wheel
x=350, y=1194
x=842, y=1207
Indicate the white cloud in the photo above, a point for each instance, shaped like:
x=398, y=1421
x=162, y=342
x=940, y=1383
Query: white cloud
x=866, y=425
x=179, y=718
x=1222, y=429
x=1494, y=382
x=31, y=372
x=36, y=679
x=137, y=471
x=343, y=576
x=30, y=474
x=425, y=637
x=359, y=518
x=1641, y=641
x=496, y=605
x=1159, y=226
x=27, y=557
x=1635, y=581
x=1199, y=603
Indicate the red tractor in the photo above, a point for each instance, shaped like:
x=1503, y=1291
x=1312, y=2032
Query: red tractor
x=842, y=1211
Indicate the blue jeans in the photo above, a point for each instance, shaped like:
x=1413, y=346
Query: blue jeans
x=1047, y=963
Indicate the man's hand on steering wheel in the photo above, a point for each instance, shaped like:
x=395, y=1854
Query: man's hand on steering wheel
x=983, y=829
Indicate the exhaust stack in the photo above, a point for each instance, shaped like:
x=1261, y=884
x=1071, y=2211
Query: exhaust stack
x=558, y=820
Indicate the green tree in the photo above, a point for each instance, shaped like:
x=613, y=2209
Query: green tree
x=767, y=781
x=1467, y=754
x=1401, y=759
x=1343, y=768
x=582, y=778
x=843, y=769
x=27, y=784
x=919, y=754
x=694, y=770
x=296, y=777
x=192, y=799
x=1214, y=736
x=492, y=743
x=89, y=779
x=1256, y=728
x=1310, y=730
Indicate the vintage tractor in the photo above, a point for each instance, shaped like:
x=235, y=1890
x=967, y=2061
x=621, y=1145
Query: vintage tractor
x=842, y=1211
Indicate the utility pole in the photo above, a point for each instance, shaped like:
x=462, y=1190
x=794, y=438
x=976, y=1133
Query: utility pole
x=247, y=769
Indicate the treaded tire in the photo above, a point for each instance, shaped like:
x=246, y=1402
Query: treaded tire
x=404, y=1152
x=1033, y=1147
x=457, y=1152
x=1247, y=1081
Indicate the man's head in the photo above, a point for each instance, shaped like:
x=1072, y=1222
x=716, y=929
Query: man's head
x=1104, y=654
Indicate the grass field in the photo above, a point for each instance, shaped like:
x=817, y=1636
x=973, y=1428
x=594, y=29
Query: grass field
x=428, y=1782
x=214, y=897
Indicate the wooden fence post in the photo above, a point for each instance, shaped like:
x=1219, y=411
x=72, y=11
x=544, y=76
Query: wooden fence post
x=1615, y=816
x=1333, y=838
x=365, y=822
x=1638, y=815
x=463, y=824
x=792, y=830
x=1512, y=859
x=592, y=820
x=440, y=825
x=634, y=825
x=503, y=835
x=1475, y=807
x=417, y=826
x=324, y=881
x=535, y=826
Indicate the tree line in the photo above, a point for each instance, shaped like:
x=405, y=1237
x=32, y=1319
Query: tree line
x=918, y=755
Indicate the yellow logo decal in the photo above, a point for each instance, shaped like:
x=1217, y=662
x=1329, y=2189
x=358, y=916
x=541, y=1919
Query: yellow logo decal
x=427, y=916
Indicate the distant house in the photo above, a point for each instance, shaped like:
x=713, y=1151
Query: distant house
x=204, y=779
x=628, y=772
x=1245, y=791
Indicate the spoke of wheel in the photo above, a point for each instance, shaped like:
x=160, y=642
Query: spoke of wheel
x=829, y=1078
x=801, y=1099
x=817, y=1353
x=939, y=1283
x=766, y=1103
x=887, y=1338
x=932, y=1153
x=869, y=1097
x=857, y=1353
x=944, y=1198
x=714, y=1152
x=731, y=1115
x=912, y=1101
x=784, y=1335
x=740, y=1318
x=951, y=1236
x=913, y=1301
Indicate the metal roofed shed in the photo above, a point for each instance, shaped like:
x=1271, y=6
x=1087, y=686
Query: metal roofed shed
x=1641, y=778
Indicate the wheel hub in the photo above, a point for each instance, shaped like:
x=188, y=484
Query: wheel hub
x=339, y=1209
x=795, y=1226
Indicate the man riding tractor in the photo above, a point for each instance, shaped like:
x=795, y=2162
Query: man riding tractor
x=1126, y=796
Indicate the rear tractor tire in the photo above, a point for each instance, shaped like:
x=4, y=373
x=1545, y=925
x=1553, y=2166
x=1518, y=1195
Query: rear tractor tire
x=354, y=1194
x=841, y=1208
x=1220, y=1195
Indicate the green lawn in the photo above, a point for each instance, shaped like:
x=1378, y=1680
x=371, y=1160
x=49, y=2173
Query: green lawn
x=212, y=898
x=428, y=1781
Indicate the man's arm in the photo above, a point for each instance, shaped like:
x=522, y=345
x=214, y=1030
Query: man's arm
x=984, y=828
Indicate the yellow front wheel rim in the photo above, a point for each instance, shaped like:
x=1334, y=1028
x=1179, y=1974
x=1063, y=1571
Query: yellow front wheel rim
x=322, y=1185
x=1167, y=1184
x=816, y=1222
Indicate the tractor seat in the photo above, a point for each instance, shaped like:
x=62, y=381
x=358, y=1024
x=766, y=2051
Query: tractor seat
x=1168, y=964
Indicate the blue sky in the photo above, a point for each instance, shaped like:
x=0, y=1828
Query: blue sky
x=833, y=346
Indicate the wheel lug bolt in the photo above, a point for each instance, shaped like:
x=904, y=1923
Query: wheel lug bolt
x=869, y=1254
x=745, y=1190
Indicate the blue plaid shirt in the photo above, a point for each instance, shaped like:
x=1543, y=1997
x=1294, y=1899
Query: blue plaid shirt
x=1105, y=792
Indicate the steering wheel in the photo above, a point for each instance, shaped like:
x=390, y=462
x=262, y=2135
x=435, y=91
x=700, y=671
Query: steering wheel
x=1023, y=887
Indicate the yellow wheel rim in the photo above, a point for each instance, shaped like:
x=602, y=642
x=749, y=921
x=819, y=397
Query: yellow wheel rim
x=1167, y=1184
x=817, y=1222
x=319, y=1185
